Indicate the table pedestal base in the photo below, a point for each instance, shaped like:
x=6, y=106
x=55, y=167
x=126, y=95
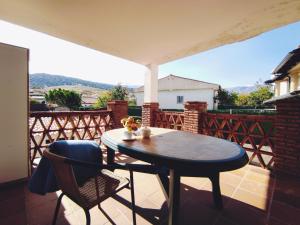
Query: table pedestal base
x=171, y=189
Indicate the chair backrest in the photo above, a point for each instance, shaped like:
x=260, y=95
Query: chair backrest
x=83, y=150
x=64, y=175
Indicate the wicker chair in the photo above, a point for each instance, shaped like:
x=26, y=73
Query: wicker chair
x=95, y=190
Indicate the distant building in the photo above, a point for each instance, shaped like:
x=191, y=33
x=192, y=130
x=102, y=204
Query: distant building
x=173, y=91
x=286, y=76
x=36, y=95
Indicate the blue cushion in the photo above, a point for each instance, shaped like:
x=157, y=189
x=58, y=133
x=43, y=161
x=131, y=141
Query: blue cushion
x=43, y=179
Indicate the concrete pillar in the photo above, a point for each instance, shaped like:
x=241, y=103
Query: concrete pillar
x=287, y=136
x=150, y=95
x=151, y=84
x=119, y=110
x=193, y=116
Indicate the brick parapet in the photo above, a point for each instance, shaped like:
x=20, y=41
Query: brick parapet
x=119, y=110
x=193, y=116
x=287, y=137
x=148, y=113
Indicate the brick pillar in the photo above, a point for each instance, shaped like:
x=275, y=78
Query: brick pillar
x=287, y=137
x=148, y=113
x=193, y=116
x=119, y=109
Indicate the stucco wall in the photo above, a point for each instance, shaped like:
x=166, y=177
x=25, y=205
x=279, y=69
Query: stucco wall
x=14, y=116
x=168, y=99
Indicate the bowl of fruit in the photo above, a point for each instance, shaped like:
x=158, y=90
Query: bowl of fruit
x=131, y=125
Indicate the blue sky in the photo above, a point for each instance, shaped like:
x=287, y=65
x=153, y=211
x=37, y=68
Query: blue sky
x=238, y=64
x=241, y=63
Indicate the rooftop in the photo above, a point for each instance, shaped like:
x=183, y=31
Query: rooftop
x=183, y=83
x=282, y=70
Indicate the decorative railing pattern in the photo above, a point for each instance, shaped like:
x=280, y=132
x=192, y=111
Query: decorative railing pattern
x=171, y=120
x=46, y=127
x=255, y=133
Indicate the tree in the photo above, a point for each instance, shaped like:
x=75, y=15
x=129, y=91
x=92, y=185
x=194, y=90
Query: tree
x=263, y=93
x=103, y=99
x=62, y=97
x=116, y=93
x=225, y=97
x=119, y=93
x=242, y=100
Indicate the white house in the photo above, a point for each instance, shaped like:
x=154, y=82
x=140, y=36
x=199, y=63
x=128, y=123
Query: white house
x=286, y=75
x=173, y=91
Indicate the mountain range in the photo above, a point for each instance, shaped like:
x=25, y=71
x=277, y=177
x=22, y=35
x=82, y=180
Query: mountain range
x=242, y=89
x=43, y=80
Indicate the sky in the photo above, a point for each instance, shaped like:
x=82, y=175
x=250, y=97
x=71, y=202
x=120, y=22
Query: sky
x=239, y=64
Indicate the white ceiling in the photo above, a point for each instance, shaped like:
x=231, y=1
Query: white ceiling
x=152, y=31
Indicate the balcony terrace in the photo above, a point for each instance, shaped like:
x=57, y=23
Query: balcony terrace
x=150, y=34
x=251, y=196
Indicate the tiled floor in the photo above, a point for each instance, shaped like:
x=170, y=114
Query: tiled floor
x=251, y=197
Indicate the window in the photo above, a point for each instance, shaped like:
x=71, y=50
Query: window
x=179, y=99
x=283, y=86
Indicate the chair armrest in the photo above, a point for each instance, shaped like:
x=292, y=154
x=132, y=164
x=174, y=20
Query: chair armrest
x=142, y=168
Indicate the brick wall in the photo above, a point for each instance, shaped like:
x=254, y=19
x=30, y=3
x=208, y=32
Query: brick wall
x=148, y=113
x=193, y=116
x=287, y=137
x=119, y=111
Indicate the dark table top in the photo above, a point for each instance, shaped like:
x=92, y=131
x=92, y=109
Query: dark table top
x=179, y=149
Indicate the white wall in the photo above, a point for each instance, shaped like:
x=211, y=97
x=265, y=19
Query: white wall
x=168, y=99
x=14, y=113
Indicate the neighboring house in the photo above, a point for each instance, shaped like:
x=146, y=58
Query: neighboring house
x=286, y=75
x=36, y=95
x=173, y=91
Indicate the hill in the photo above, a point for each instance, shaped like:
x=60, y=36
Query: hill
x=42, y=80
x=242, y=89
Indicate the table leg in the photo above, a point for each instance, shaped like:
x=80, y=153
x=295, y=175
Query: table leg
x=164, y=183
x=174, y=197
x=110, y=156
x=216, y=190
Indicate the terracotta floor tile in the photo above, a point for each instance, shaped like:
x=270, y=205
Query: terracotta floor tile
x=262, y=178
x=230, y=178
x=12, y=206
x=193, y=213
x=195, y=182
x=15, y=219
x=42, y=214
x=13, y=192
x=139, y=195
x=287, y=190
x=242, y=214
x=71, y=219
x=252, y=199
x=121, y=219
x=259, y=170
x=274, y=221
x=227, y=191
x=285, y=213
x=158, y=198
x=240, y=172
x=224, y=221
x=258, y=188
x=245, y=194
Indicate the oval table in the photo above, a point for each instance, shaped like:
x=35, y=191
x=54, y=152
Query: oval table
x=184, y=154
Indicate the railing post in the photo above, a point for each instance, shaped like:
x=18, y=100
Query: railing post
x=287, y=137
x=119, y=110
x=194, y=116
x=148, y=113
